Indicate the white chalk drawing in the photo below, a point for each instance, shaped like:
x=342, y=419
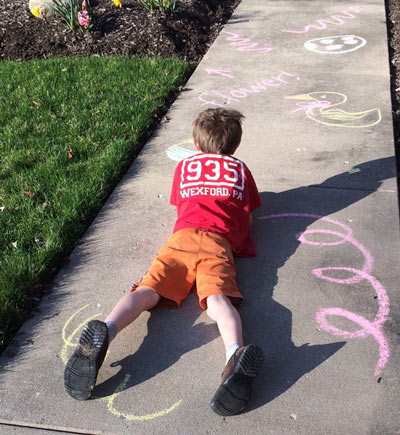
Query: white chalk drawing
x=177, y=152
x=335, y=44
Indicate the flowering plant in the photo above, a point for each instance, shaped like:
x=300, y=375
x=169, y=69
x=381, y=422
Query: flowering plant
x=35, y=12
x=84, y=19
x=167, y=5
x=67, y=10
x=70, y=11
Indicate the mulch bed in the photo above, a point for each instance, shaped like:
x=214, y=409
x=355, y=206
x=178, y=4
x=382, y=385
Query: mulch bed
x=130, y=30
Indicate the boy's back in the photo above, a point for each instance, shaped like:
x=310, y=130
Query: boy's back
x=217, y=193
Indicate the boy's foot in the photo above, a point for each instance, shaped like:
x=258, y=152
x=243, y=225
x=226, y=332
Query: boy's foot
x=81, y=371
x=234, y=392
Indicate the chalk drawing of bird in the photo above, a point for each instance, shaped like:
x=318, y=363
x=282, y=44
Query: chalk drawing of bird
x=322, y=107
x=177, y=152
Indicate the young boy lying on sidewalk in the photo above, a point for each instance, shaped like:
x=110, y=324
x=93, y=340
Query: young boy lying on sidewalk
x=215, y=194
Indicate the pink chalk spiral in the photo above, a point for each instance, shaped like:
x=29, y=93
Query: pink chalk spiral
x=374, y=328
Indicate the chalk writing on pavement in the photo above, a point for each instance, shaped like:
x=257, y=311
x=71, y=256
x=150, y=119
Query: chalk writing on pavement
x=244, y=44
x=219, y=99
x=221, y=72
x=335, y=44
x=177, y=152
x=333, y=20
x=68, y=342
x=322, y=107
x=373, y=328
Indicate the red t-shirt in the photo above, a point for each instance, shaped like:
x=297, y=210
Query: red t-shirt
x=217, y=193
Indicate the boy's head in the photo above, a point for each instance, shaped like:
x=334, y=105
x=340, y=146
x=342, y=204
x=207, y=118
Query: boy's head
x=218, y=131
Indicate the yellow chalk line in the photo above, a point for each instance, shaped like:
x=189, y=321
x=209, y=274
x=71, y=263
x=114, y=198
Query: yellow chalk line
x=110, y=399
x=354, y=113
x=186, y=141
x=114, y=411
x=348, y=126
x=68, y=340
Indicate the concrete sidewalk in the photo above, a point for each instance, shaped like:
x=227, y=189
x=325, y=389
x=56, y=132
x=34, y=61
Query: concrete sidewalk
x=312, y=79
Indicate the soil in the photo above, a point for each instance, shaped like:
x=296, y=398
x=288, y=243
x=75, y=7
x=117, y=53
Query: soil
x=131, y=30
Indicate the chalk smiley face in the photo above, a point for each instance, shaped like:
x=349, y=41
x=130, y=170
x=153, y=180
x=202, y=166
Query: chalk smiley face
x=335, y=44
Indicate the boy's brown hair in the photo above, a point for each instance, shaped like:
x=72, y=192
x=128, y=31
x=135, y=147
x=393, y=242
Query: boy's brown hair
x=218, y=130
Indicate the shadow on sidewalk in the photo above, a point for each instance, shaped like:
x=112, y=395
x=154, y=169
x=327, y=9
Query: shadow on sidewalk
x=266, y=322
x=170, y=334
x=269, y=323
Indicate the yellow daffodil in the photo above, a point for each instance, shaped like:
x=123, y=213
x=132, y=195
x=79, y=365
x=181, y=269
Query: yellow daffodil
x=117, y=3
x=35, y=12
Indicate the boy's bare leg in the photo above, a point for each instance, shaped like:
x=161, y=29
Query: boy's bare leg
x=83, y=366
x=130, y=306
x=243, y=362
x=221, y=310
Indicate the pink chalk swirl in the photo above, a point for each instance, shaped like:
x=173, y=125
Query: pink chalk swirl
x=374, y=328
x=309, y=106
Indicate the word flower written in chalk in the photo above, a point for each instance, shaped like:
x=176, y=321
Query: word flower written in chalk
x=218, y=99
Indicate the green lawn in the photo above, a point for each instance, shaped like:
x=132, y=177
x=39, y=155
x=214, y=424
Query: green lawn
x=69, y=128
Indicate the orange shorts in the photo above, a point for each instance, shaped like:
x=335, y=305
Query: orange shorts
x=193, y=259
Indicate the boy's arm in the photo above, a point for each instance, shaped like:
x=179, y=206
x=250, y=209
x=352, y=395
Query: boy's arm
x=254, y=196
x=175, y=186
